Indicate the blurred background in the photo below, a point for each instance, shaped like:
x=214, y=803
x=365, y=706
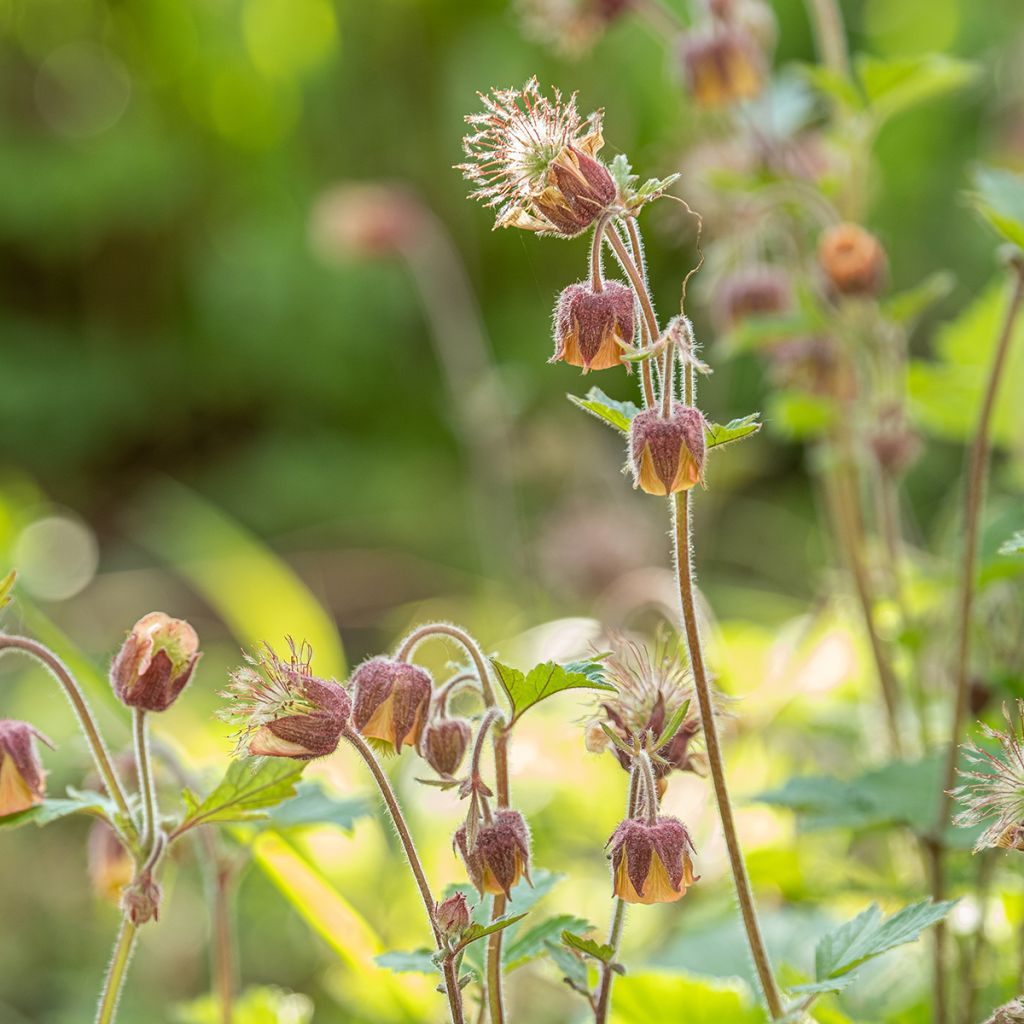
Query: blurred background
x=234, y=393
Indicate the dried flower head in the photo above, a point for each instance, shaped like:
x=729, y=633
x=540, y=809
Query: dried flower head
x=653, y=683
x=592, y=328
x=667, y=453
x=1009, y=1013
x=390, y=701
x=155, y=662
x=994, y=786
x=651, y=862
x=22, y=778
x=444, y=744
x=534, y=159
x=282, y=709
x=111, y=866
x=853, y=259
x=569, y=26
x=500, y=856
x=452, y=916
x=722, y=66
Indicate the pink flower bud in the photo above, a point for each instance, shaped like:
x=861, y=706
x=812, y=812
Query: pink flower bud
x=591, y=327
x=22, y=778
x=155, y=662
x=651, y=862
x=444, y=744
x=141, y=900
x=501, y=854
x=667, y=455
x=452, y=916
x=390, y=700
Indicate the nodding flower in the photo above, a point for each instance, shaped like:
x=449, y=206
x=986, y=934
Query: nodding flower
x=667, y=452
x=651, y=862
x=390, y=701
x=22, y=778
x=500, y=855
x=593, y=329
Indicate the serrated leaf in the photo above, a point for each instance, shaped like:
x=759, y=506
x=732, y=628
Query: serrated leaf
x=573, y=967
x=589, y=947
x=313, y=805
x=7, y=588
x=478, y=931
x=245, y=793
x=716, y=435
x=616, y=414
x=529, y=943
x=907, y=306
x=895, y=84
x=869, y=935
x=999, y=198
x=413, y=961
x=54, y=809
x=672, y=725
x=547, y=679
x=622, y=173
x=1013, y=546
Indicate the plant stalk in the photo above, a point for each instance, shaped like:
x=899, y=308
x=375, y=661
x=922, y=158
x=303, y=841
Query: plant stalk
x=144, y=768
x=124, y=946
x=431, y=629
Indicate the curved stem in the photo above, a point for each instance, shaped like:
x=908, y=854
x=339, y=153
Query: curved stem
x=442, y=693
x=973, y=497
x=636, y=276
x=62, y=674
x=124, y=946
x=744, y=893
x=431, y=629
x=145, y=774
x=596, y=270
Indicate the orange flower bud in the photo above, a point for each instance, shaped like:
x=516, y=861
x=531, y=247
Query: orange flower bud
x=591, y=327
x=722, y=67
x=22, y=778
x=501, y=854
x=155, y=662
x=667, y=455
x=390, y=700
x=444, y=744
x=853, y=259
x=651, y=862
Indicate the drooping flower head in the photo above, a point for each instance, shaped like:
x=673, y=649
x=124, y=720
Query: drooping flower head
x=155, y=662
x=22, y=778
x=994, y=786
x=534, y=159
x=391, y=700
x=653, y=683
x=444, y=744
x=500, y=855
x=651, y=861
x=282, y=709
x=592, y=328
x=667, y=452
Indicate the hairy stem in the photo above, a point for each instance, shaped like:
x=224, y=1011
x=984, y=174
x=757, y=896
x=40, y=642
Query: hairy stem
x=830, y=35
x=974, y=496
x=223, y=949
x=60, y=671
x=637, y=246
x=744, y=893
x=451, y=984
x=495, y=996
x=144, y=768
x=596, y=270
x=124, y=946
x=432, y=629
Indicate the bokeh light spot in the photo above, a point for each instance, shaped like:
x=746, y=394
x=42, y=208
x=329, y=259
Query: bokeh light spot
x=289, y=37
x=82, y=90
x=56, y=557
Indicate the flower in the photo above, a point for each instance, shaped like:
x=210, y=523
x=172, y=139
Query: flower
x=651, y=861
x=22, y=778
x=390, y=701
x=569, y=26
x=1009, y=1013
x=667, y=453
x=751, y=291
x=853, y=259
x=452, y=916
x=500, y=856
x=591, y=327
x=534, y=159
x=722, y=66
x=155, y=662
x=653, y=684
x=111, y=867
x=995, y=786
x=282, y=709
x=444, y=744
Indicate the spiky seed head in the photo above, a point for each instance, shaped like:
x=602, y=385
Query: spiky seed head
x=591, y=327
x=444, y=744
x=667, y=453
x=500, y=855
x=390, y=701
x=155, y=662
x=853, y=260
x=651, y=863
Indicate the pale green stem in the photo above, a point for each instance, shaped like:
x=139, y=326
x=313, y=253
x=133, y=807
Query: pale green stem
x=124, y=946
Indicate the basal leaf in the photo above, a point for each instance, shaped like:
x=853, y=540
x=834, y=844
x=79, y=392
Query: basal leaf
x=248, y=789
x=999, y=198
x=547, y=679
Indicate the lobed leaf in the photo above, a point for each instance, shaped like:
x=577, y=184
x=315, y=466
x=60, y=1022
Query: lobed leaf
x=717, y=435
x=616, y=414
x=478, y=931
x=999, y=197
x=249, y=788
x=547, y=679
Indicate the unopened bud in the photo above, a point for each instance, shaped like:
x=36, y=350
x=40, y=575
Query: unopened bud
x=141, y=900
x=444, y=744
x=651, y=862
x=501, y=854
x=722, y=67
x=579, y=188
x=452, y=916
x=155, y=662
x=667, y=454
x=853, y=259
x=111, y=867
x=22, y=778
x=390, y=700
x=592, y=327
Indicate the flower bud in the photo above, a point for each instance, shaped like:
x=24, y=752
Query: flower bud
x=155, y=662
x=651, y=862
x=390, y=700
x=111, y=867
x=722, y=67
x=667, y=455
x=501, y=854
x=452, y=916
x=853, y=259
x=22, y=778
x=750, y=291
x=591, y=327
x=141, y=900
x=444, y=744
x=578, y=188
x=283, y=710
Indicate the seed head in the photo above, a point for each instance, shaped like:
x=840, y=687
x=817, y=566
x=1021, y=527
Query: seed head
x=444, y=744
x=501, y=854
x=722, y=66
x=155, y=662
x=651, y=863
x=390, y=701
x=853, y=260
x=282, y=709
x=591, y=327
x=452, y=916
x=667, y=455
x=22, y=778
x=534, y=159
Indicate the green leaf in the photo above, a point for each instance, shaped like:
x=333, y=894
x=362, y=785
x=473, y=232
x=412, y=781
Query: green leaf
x=895, y=84
x=799, y=415
x=533, y=941
x=999, y=198
x=478, y=931
x=54, y=809
x=1013, y=546
x=869, y=935
x=648, y=997
x=262, y=1005
x=672, y=726
x=249, y=787
x=413, y=961
x=907, y=306
x=836, y=86
x=614, y=413
x=572, y=966
x=313, y=805
x=622, y=173
x=717, y=435
x=547, y=679
x=821, y=987
x=589, y=947
x=7, y=588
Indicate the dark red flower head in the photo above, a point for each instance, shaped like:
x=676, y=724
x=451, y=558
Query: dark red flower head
x=22, y=779
x=444, y=744
x=651, y=863
x=592, y=327
x=390, y=701
x=501, y=854
x=155, y=662
x=667, y=454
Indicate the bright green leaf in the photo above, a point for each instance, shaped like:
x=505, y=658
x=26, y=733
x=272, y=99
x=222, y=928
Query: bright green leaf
x=253, y=1006
x=573, y=968
x=614, y=413
x=589, y=947
x=478, y=931
x=54, y=809
x=249, y=788
x=672, y=725
x=547, y=679
x=643, y=998
x=999, y=198
x=534, y=940
x=718, y=435
x=413, y=961
x=799, y=415
x=895, y=84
